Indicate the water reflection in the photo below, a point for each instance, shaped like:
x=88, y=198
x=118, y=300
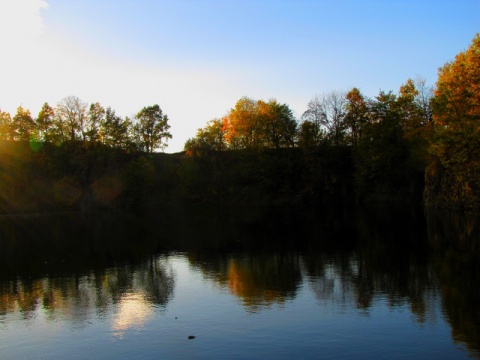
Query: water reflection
x=128, y=292
x=393, y=259
x=258, y=280
x=117, y=269
x=133, y=311
x=455, y=241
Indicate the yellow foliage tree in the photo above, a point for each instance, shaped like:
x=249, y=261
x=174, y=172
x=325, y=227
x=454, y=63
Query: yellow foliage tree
x=5, y=126
x=457, y=97
x=455, y=167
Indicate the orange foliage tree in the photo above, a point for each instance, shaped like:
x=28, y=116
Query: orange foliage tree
x=456, y=115
x=250, y=124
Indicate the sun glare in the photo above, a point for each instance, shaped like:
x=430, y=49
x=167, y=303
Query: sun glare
x=133, y=312
x=21, y=29
x=20, y=20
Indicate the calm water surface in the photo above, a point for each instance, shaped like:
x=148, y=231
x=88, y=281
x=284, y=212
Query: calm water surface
x=247, y=283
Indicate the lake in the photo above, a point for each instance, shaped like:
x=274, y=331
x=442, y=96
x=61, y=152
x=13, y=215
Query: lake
x=241, y=283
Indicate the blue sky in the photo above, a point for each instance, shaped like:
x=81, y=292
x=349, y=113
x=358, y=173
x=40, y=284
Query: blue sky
x=196, y=58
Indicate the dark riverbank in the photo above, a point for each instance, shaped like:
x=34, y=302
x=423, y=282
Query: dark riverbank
x=85, y=176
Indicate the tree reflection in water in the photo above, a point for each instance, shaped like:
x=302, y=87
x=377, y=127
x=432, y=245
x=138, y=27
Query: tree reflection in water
x=264, y=257
x=258, y=280
x=455, y=241
x=129, y=293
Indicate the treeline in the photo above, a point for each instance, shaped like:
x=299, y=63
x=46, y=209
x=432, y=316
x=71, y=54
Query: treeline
x=335, y=118
x=418, y=143
x=419, y=140
x=75, y=156
x=73, y=120
x=381, y=145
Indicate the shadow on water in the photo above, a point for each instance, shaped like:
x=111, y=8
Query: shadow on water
x=68, y=243
x=455, y=241
x=350, y=257
x=71, y=243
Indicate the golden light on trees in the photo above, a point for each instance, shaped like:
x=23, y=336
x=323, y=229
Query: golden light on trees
x=251, y=124
x=453, y=174
x=457, y=97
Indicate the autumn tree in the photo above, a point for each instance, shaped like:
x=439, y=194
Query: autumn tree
x=114, y=130
x=277, y=123
x=23, y=124
x=251, y=124
x=5, y=126
x=410, y=112
x=95, y=116
x=258, y=124
x=415, y=118
x=45, y=123
x=456, y=142
x=208, y=139
x=244, y=124
x=152, y=127
x=457, y=96
x=356, y=114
